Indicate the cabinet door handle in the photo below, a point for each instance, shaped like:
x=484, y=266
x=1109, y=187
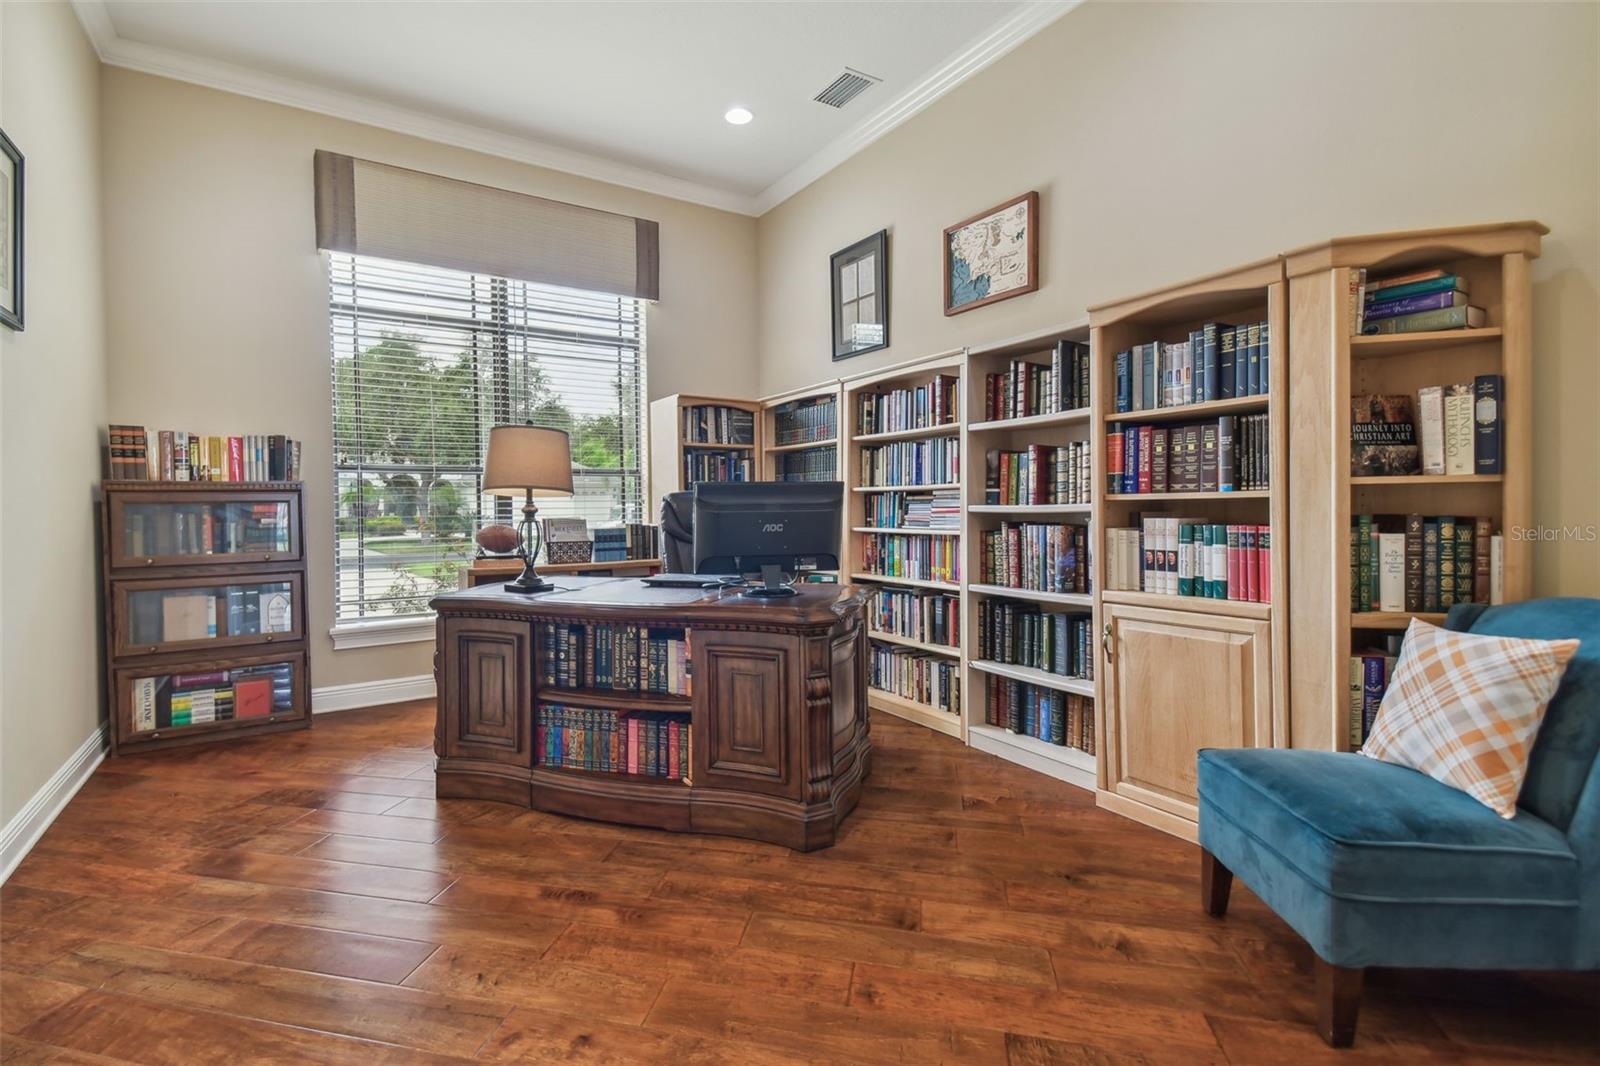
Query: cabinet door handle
x=1105, y=641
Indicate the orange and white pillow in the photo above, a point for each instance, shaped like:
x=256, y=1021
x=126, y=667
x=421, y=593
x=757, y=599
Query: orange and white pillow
x=1464, y=709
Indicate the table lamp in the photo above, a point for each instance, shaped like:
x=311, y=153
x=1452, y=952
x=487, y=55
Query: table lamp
x=532, y=461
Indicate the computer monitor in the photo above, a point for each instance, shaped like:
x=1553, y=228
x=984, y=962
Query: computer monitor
x=767, y=527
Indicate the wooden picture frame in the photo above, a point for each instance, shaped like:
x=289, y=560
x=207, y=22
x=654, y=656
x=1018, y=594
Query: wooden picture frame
x=859, y=286
x=987, y=229
x=11, y=219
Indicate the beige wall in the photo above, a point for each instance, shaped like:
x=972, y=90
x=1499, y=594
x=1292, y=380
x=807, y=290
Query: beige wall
x=1168, y=141
x=52, y=406
x=217, y=298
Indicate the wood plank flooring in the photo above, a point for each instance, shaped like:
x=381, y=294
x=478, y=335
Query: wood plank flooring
x=302, y=898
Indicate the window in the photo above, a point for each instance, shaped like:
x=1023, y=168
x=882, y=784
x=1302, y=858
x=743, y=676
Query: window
x=425, y=361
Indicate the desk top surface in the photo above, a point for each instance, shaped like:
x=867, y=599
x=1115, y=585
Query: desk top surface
x=625, y=598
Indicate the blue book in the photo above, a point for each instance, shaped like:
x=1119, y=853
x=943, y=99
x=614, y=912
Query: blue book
x=1124, y=381
x=1226, y=335
x=1487, y=444
x=1147, y=356
x=1266, y=350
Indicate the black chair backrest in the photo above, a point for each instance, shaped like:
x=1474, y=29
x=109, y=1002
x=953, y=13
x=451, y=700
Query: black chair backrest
x=677, y=533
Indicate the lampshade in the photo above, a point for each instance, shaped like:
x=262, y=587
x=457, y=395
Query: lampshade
x=528, y=459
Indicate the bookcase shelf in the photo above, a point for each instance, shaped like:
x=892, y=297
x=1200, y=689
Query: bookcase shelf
x=1331, y=367
x=917, y=531
x=1059, y=599
x=913, y=582
x=541, y=774
x=1063, y=763
x=1057, y=418
x=907, y=642
x=1082, y=686
x=617, y=699
x=1190, y=411
x=783, y=449
x=1157, y=497
x=944, y=429
x=1201, y=604
x=1024, y=510
x=947, y=485
x=911, y=710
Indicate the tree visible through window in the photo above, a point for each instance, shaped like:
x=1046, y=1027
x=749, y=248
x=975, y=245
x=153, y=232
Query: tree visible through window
x=425, y=361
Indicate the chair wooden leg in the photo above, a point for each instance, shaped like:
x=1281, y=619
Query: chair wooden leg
x=1215, y=882
x=1338, y=1001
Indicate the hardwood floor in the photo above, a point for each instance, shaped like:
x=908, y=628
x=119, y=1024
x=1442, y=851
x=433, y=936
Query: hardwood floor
x=302, y=898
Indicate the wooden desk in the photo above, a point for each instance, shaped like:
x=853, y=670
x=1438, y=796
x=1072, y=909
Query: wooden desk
x=488, y=571
x=778, y=738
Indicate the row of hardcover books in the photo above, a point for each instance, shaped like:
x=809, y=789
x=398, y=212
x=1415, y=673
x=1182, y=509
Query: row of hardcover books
x=1453, y=430
x=619, y=657
x=1419, y=302
x=1218, y=362
x=1065, y=719
x=804, y=421
x=601, y=740
x=940, y=509
x=716, y=424
x=912, y=407
x=1038, y=556
x=917, y=614
x=1370, y=671
x=631, y=540
x=1424, y=563
x=821, y=464
x=1039, y=473
x=205, y=528
x=919, y=558
x=173, y=700
x=1021, y=634
x=1177, y=556
x=138, y=454
x=912, y=462
x=931, y=680
x=1229, y=454
x=702, y=465
x=1025, y=389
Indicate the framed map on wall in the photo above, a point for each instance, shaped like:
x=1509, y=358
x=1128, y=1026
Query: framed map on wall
x=994, y=255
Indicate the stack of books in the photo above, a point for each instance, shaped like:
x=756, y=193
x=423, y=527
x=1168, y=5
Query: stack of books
x=1231, y=454
x=1021, y=634
x=1424, y=563
x=1419, y=302
x=1025, y=389
x=1218, y=361
x=1061, y=718
x=137, y=454
x=1038, y=556
x=915, y=407
x=1175, y=556
x=940, y=509
x=917, y=614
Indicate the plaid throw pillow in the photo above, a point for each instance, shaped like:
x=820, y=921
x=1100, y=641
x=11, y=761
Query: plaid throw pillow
x=1464, y=709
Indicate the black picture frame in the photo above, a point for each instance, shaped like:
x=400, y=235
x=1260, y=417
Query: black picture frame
x=11, y=315
x=877, y=248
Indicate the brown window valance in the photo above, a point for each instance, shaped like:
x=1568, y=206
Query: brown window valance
x=368, y=208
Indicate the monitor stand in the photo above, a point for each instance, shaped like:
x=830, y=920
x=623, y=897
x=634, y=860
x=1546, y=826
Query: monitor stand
x=771, y=584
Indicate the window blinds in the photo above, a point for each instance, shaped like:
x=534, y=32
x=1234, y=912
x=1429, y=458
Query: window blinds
x=425, y=361
x=374, y=209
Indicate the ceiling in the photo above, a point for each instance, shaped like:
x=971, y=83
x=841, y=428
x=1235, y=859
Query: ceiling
x=625, y=92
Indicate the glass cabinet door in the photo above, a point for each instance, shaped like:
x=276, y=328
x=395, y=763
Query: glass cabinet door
x=187, y=528
x=158, y=702
x=174, y=615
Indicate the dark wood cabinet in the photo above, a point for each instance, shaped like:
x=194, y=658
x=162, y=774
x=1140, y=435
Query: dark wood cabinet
x=777, y=743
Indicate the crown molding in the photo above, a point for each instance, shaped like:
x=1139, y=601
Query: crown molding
x=117, y=51
x=214, y=74
x=983, y=52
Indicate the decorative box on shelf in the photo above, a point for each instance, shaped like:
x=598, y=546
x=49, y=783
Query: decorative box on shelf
x=570, y=551
x=205, y=611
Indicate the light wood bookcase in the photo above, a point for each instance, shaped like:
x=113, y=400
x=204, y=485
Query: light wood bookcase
x=857, y=529
x=669, y=447
x=1329, y=366
x=1012, y=434
x=774, y=453
x=1180, y=673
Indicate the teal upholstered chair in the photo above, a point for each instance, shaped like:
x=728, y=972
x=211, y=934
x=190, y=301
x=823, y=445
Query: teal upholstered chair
x=1379, y=865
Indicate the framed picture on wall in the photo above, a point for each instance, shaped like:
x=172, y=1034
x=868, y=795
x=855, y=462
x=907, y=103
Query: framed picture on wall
x=994, y=255
x=10, y=233
x=861, y=296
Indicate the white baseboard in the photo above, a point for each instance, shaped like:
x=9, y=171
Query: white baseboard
x=24, y=830
x=371, y=693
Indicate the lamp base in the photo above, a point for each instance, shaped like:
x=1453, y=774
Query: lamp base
x=529, y=580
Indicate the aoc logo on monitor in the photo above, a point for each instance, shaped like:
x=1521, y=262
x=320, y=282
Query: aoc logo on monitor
x=772, y=527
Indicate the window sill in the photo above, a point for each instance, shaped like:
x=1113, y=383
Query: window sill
x=382, y=631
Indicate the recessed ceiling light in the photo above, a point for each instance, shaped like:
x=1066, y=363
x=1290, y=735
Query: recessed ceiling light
x=738, y=116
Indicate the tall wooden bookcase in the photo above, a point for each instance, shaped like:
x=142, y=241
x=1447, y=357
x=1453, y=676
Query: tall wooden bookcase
x=785, y=460
x=1329, y=366
x=1180, y=673
x=670, y=448
x=983, y=434
x=860, y=492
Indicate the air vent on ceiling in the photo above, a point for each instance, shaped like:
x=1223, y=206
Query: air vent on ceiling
x=846, y=87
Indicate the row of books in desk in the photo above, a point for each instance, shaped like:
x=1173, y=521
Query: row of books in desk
x=617, y=656
x=601, y=740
